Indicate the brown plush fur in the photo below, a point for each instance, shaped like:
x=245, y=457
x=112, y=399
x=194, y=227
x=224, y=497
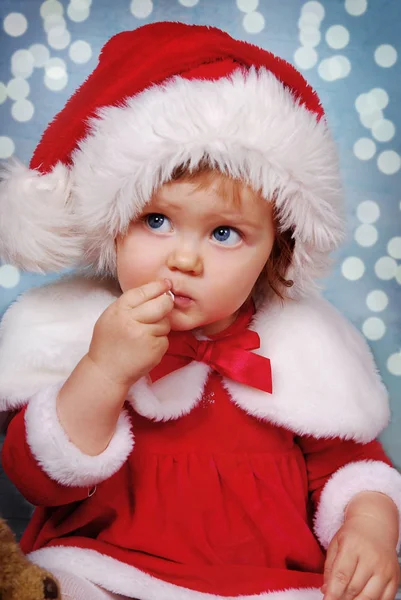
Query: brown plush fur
x=19, y=578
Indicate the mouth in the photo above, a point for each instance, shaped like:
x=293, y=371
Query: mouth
x=181, y=300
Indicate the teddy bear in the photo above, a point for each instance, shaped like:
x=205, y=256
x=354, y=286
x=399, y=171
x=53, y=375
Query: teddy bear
x=19, y=578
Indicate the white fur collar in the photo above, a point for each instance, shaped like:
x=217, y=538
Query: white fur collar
x=325, y=382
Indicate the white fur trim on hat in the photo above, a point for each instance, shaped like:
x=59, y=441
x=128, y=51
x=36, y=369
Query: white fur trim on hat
x=37, y=226
x=59, y=457
x=356, y=477
x=247, y=125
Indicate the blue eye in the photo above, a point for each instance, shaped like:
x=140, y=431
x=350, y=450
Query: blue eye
x=226, y=235
x=158, y=221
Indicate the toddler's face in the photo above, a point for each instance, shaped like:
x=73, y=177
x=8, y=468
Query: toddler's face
x=210, y=248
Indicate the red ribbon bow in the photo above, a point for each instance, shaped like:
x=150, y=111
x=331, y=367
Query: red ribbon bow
x=230, y=356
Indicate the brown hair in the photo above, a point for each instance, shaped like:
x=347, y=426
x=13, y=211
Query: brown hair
x=273, y=273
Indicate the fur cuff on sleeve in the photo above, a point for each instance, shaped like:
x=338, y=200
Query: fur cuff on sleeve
x=59, y=457
x=356, y=477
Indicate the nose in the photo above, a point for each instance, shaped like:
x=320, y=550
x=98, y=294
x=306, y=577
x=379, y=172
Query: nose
x=185, y=258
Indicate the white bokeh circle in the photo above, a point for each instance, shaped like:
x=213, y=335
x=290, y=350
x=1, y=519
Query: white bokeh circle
x=253, y=22
x=368, y=211
x=15, y=24
x=364, y=148
x=59, y=38
x=54, y=21
x=7, y=147
x=353, y=268
x=22, y=110
x=374, y=328
x=394, y=363
x=366, y=235
x=398, y=274
x=389, y=162
x=78, y=13
x=18, y=88
x=337, y=36
x=383, y=130
x=55, y=68
x=56, y=77
x=55, y=85
x=380, y=97
x=3, y=93
x=314, y=8
x=80, y=51
x=188, y=3
x=310, y=36
x=9, y=276
x=141, y=9
x=377, y=300
x=305, y=57
x=309, y=19
x=40, y=54
x=247, y=5
x=22, y=63
x=369, y=119
x=335, y=67
x=356, y=8
x=51, y=7
x=394, y=247
x=365, y=103
x=81, y=3
x=385, y=55
x=386, y=268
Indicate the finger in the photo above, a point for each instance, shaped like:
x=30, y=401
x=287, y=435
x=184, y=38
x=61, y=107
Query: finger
x=342, y=572
x=390, y=591
x=358, y=581
x=137, y=296
x=328, y=565
x=154, y=310
x=373, y=590
x=161, y=328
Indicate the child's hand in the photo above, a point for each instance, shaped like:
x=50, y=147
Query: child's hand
x=130, y=337
x=361, y=562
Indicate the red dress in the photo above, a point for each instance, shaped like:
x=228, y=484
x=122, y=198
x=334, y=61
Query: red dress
x=216, y=501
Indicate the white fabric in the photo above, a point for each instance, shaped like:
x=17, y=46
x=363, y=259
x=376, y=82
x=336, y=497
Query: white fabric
x=73, y=587
x=325, y=382
x=249, y=125
x=38, y=227
x=59, y=457
x=122, y=578
x=344, y=484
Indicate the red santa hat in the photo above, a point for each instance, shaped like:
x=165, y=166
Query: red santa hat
x=161, y=96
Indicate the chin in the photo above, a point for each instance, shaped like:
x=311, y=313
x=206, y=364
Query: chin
x=181, y=323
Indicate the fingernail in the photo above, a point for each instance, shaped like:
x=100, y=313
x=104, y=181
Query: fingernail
x=170, y=293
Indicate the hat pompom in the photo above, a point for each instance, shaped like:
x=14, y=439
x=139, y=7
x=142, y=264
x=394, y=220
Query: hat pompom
x=38, y=231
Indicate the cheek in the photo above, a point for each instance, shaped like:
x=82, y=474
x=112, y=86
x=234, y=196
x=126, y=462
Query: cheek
x=134, y=267
x=242, y=271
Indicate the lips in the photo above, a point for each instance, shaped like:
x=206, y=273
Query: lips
x=181, y=300
x=179, y=294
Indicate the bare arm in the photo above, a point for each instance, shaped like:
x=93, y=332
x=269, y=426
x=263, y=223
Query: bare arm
x=380, y=509
x=129, y=339
x=88, y=406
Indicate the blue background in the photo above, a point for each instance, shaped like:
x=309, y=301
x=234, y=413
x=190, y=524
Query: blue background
x=301, y=33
